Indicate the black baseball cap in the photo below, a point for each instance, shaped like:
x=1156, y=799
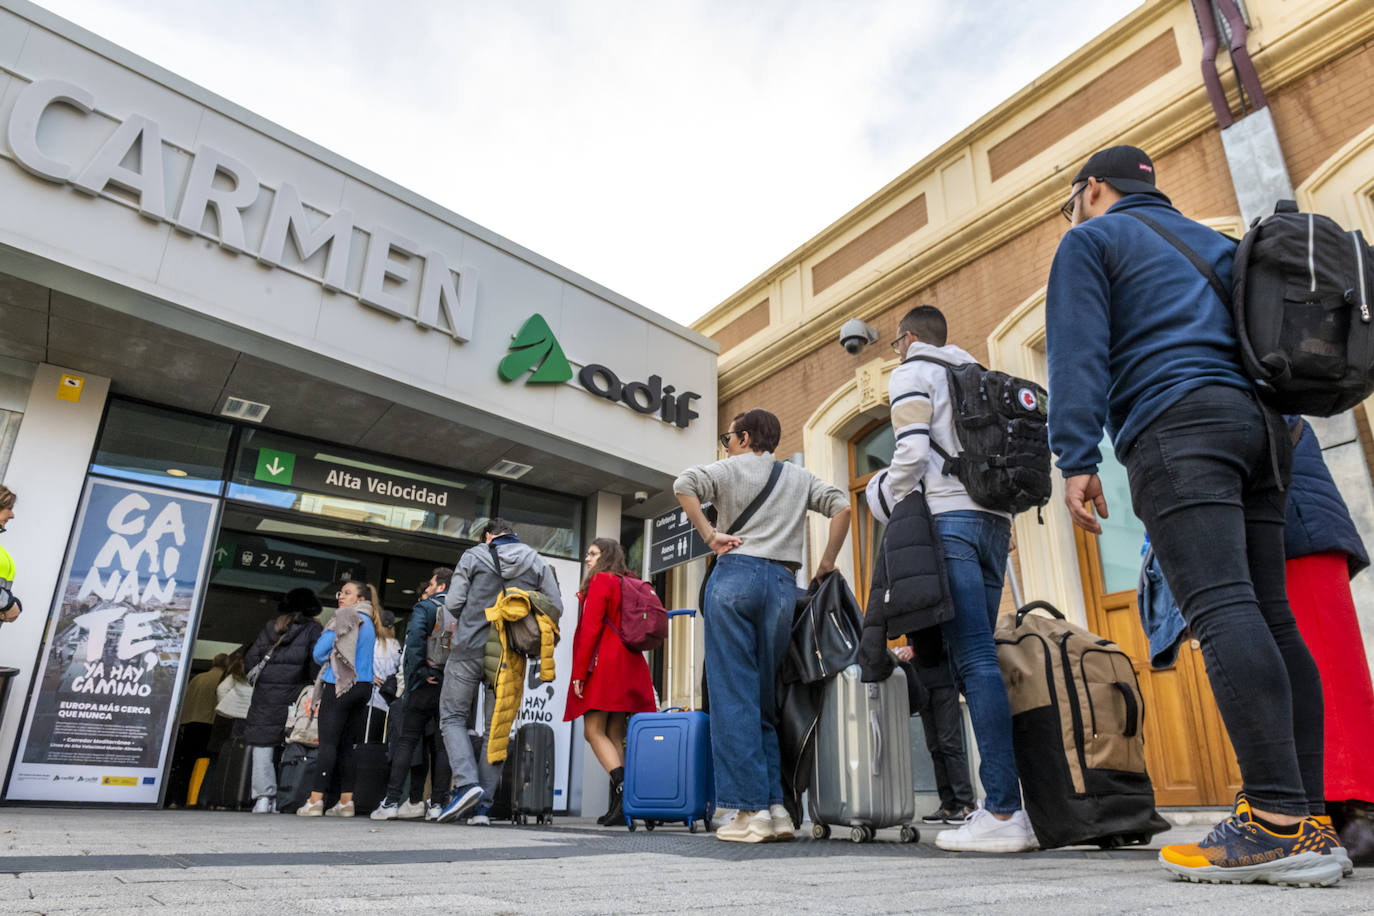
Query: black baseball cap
x=1125, y=168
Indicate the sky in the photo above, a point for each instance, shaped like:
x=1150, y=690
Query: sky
x=671, y=150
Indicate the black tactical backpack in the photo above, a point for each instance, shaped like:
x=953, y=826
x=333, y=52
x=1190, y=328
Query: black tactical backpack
x=1301, y=302
x=1000, y=421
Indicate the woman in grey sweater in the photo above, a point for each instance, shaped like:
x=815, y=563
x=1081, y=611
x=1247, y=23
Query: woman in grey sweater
x=749, y=602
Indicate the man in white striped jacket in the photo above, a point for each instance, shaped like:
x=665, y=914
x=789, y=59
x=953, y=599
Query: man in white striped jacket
x=975, y=541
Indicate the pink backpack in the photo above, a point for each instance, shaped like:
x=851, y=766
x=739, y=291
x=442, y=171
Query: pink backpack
x=643, y=621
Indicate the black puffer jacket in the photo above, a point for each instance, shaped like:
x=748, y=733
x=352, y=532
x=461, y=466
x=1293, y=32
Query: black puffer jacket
x=289, y=669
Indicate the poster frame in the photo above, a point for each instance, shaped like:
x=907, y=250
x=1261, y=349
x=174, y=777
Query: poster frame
x=177, y=694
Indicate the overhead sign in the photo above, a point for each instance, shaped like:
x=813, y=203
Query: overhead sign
x=99, y=720
x=400, y=277
x=673, y=541
x=534, y=347
x=393, y=487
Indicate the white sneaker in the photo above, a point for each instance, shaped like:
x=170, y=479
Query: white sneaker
x=311, y=809
x=265, y=805
x=340, y=810
x=748, y=827
x=782, y=822
x=386, y=811
x=411, y=811
x=984, y=832
x=479, y=820
x=433, y=812
x=722, y=816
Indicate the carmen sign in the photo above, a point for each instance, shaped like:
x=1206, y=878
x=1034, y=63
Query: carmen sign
x=393, y=266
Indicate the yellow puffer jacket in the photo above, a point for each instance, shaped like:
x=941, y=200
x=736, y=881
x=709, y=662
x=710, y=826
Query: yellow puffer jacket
x=514, y=604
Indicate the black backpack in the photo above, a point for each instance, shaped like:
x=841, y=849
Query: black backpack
x=1000, y=421
x=1301, y=303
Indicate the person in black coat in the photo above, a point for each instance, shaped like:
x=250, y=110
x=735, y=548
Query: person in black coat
x=285, y=642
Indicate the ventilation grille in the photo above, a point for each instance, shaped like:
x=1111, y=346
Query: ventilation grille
x=240, y=409
x=510, y=470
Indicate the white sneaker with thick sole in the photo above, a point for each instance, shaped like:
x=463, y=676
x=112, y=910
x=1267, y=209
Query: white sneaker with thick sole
x=432, y=814
x=411, y=811
x=722, y=816
x=265, y=805
x=984, y=832
x=748, y=827
x=311, y=809
x=782, y=822
x=386, y=811
x=340, y=809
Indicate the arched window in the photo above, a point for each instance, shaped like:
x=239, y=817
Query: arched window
x=869, y=452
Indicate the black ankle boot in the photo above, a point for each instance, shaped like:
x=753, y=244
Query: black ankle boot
x=615, y=813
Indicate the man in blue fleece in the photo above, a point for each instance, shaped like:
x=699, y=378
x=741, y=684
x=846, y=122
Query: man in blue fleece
x=1128, y=314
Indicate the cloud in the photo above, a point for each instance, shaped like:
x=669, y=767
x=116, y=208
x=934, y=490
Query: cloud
x=671, y=151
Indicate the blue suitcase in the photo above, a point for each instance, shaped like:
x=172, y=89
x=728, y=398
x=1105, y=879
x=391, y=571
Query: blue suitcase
x=668, y=774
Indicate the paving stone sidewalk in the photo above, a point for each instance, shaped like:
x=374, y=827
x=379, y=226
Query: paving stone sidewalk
x=113, y=861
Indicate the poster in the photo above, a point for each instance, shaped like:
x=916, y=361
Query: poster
x=100, y=715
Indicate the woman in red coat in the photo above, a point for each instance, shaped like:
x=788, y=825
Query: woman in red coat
x=609, y=681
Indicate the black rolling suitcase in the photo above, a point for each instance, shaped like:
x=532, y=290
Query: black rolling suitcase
x=373, y=765
x=1078, y=730
x=229, y=782
x=531, y=789
x=295, y=774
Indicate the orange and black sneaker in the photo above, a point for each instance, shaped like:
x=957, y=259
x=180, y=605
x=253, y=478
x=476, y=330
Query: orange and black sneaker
x=1240, y=851
x=1327, y=841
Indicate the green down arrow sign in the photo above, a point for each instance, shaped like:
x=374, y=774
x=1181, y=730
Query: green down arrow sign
x=275, y=467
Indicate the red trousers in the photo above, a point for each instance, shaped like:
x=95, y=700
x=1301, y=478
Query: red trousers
x=1319, y=593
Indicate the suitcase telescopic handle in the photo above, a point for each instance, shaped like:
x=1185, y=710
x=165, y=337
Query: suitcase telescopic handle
x=877, y=730
x=691, y=655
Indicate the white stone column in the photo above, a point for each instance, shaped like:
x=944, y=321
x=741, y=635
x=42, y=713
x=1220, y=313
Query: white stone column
x=47, y=469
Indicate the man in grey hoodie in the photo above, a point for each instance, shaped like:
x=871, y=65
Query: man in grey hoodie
x=476, y=584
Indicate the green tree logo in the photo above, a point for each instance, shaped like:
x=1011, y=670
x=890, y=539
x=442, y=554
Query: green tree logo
x=535, y=347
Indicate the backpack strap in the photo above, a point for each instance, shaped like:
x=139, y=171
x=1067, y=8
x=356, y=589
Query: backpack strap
x=753, y=507
x=496, y=559
x=951, y=461
x=1197, y=260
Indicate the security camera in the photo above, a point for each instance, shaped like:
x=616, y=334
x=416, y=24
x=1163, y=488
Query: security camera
x=855, y=335
x=641, y=496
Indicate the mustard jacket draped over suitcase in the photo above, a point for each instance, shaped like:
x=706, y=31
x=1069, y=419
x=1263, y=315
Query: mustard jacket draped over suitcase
x=510, y=679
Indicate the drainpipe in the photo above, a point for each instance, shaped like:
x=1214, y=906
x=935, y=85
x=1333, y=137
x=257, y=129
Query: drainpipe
x=1253, y=154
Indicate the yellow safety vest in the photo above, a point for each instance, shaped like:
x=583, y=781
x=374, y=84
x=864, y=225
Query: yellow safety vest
x=6, y=568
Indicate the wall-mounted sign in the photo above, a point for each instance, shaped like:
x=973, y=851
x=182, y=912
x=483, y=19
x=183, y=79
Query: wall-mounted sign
x=99, y=718
x=673, y=541
x=319, y=474
x=534, y=347
x=400, y=277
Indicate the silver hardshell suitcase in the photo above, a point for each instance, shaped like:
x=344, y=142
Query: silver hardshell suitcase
x=862, y=776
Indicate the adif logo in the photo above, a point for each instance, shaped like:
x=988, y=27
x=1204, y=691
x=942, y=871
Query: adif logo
x=535, y=347
x=1027, y=398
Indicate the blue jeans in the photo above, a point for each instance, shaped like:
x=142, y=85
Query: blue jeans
x=975, y=545
x=749, y=608
x=1202, y=480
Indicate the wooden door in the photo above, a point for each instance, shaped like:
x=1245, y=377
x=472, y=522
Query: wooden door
x=1187, y=751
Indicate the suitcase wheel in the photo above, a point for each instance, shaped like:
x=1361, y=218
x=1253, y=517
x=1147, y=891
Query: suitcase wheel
x=820, y=831
x=859, y=834
x=631, y=824
x=910, y=834
x=650, y=825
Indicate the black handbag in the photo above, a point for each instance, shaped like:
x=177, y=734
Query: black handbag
x=825, y=631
